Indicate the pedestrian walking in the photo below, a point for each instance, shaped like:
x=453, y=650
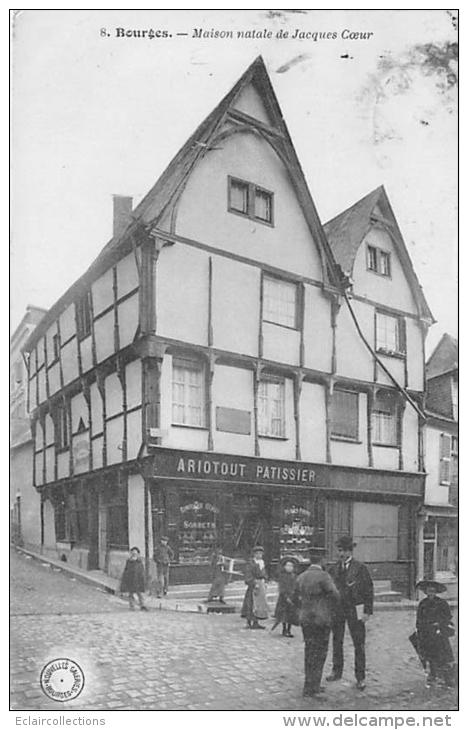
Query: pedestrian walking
x=218, y=576
x=434, y=627
x=133, y=579
x=315, y=595
x=285, y=609
x=162, y=556
x=255, y=607
x=356, y=590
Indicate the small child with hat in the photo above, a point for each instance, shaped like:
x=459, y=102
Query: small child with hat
x=285, y=610
x=434, y=626
x=133, y=579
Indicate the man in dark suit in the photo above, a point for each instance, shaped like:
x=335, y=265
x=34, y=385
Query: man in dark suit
x=314, y=595
x=356, y=590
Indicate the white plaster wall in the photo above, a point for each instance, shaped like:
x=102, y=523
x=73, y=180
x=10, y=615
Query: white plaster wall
x=104, y=333
x=115, y=434
x=86, y=354
x=53, y=330
x=39, y=458
x=415, y=355
x=353, y=454
x=312, y=415
x=395, y=366
x=49, y=432
x=50, y=464
x=410, y=439
x=134, y=435
x=40, y=352
x=127, y=274
x=96, y=446
x=274, y=448
x=54, y=379
x=70, y=361
x=385, y=457
x=102, y=292
x=42, y=385
x=136, y=512
x=79, y=409
x=280, y=343
x=317, y=330
x=96, y=409
x=114, y=395
x=233, y=388
x=203, y=213
x=353, y=358
x=67, y=323
x=236, y=306
x=250, y=102
x=128, y=320
x=182, y=294
x=133, y=383
x=392, y=291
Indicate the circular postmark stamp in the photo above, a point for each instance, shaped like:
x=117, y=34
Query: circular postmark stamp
x=62, y=679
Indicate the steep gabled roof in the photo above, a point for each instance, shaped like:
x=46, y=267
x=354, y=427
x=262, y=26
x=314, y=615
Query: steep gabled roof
x=156, y=201
x=444, y=358
x=347, y=230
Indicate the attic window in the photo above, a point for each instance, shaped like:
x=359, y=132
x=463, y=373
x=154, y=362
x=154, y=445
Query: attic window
x=378, y=261
x=252, y=201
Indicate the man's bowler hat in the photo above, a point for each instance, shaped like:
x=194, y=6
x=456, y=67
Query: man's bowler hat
x=424, y=584
x=345, y=543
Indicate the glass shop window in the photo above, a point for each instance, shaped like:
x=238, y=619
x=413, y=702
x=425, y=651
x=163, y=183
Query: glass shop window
x=302, y=527
x=198, y=529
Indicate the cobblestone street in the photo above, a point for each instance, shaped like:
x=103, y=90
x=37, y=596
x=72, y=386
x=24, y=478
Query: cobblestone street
x=178, y=661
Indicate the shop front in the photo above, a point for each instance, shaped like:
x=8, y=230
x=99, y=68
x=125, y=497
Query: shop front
x=203, y=500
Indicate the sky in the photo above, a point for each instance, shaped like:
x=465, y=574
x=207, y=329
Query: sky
x=97, y=112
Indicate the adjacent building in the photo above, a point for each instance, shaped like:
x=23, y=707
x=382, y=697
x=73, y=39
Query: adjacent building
x=439, y=528
x=24, y=498
x=229, y=371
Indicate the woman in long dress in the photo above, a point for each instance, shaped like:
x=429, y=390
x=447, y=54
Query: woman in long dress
x=255, y=607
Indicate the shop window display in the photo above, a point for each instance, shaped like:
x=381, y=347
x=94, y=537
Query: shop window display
x=198, y=530
x=302, y=527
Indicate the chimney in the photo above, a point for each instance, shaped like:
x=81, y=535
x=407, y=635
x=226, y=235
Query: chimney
x=122, y=213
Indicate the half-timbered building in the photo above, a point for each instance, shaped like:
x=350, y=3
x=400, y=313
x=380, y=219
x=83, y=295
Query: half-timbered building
x=229, y=371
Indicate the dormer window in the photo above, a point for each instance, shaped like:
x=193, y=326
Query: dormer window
x=250, y=200
x=378, y=261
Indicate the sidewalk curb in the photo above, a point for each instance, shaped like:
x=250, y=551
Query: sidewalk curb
x=184, y=606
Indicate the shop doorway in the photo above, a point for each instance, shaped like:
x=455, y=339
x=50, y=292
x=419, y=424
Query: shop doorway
x=252, y=524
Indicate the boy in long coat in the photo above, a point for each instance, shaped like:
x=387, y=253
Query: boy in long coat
x=315, y=596
x=254, y=607
x=285, y=609
x=133, y=579
x=434, y=626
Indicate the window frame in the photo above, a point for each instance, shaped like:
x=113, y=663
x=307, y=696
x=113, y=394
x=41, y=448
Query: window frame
x=340, y=436
x=269, y=432
x=380, y=254
x=445, y=460
x=267, y=277
x=84, y=316
x=198, y=365
x=380, y=411
x=400, y=324
x=252, y=190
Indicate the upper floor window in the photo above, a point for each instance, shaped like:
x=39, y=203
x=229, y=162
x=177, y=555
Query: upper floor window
x=188, y=392
x=378, y=261
x=271, y=411
x=83, y=316
x=250, y=200
x=390, y=334
x=345, y=414
x=384, y=420
x=62, y=432
x=280, y=302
